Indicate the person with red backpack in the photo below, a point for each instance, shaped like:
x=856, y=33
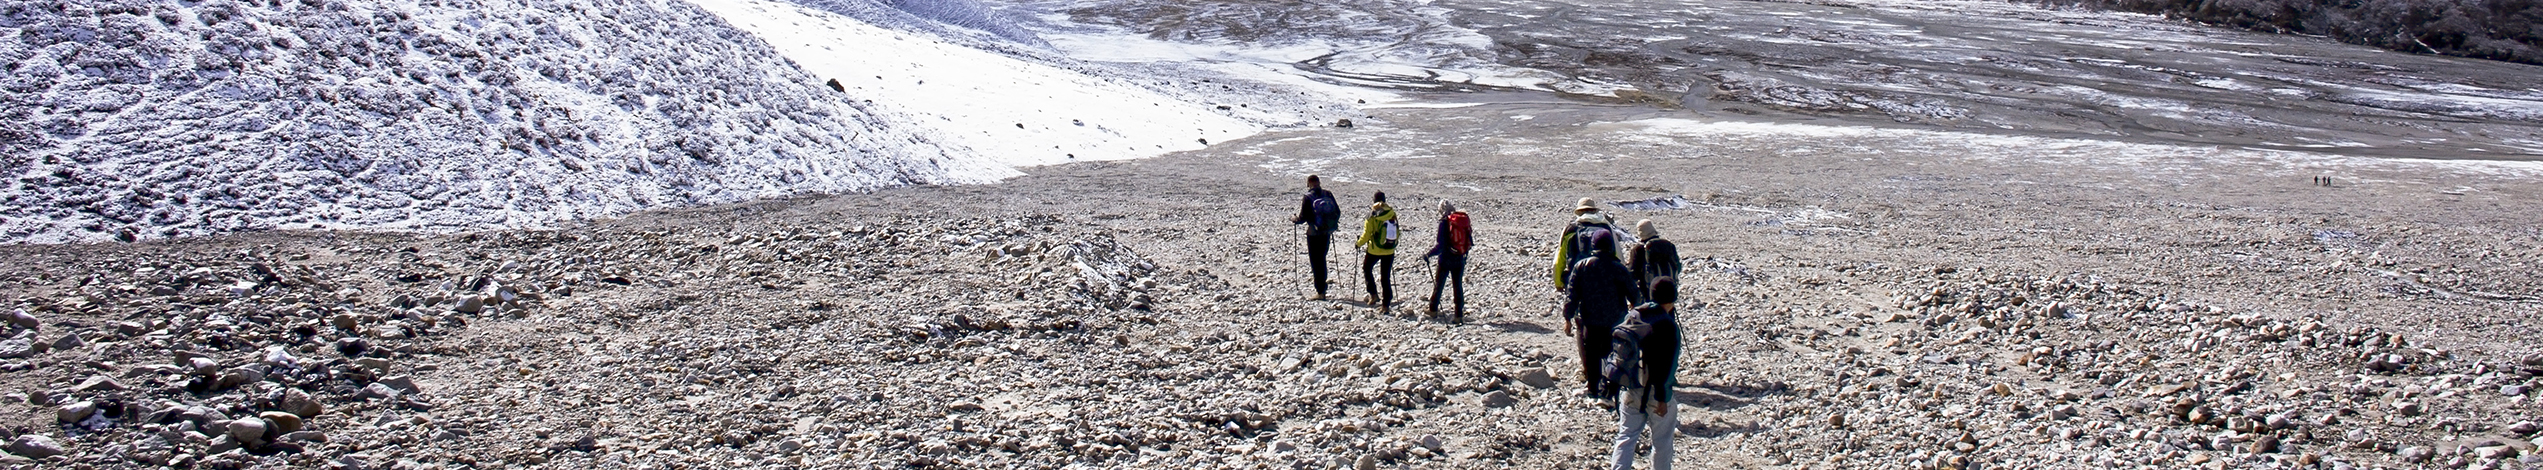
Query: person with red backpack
x=1456, y=236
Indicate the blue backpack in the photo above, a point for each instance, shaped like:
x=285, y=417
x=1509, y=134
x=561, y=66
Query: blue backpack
x=1328, y=213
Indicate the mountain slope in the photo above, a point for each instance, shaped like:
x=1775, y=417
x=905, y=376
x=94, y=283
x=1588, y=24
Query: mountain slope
x=170, y=118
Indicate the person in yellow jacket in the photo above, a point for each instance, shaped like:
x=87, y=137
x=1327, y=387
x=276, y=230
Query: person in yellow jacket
x=1377, y=238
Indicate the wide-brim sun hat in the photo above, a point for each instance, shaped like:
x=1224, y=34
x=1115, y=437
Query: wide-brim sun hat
x=1587, y=205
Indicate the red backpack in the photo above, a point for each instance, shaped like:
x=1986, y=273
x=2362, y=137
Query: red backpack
x=1460, y=233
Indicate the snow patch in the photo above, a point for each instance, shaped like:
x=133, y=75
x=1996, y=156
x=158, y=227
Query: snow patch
x=996, y=107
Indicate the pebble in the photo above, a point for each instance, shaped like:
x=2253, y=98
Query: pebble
x=2512, y=390
x=307, y=436
x=2524, y=427
x=22, y=319
x=35, y=446
x=1366, y=462
x=2405, y=408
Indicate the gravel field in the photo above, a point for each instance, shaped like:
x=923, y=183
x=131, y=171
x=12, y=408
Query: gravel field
x=1858, y=298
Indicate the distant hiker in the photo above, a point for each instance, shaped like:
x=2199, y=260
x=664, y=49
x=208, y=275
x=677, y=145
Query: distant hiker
x=1654, y=258
x=1645, y=369
x=1573, y=246
x=1456, y=236
x=1321, y=214
x=1377, y=239
x=1602, y=291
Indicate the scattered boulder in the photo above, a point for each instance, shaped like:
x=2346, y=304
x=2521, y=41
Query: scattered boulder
x=76, y=412
x=35, y=446
x=1498, y=399
x=22, y=345
x=21, y=319
x=1536, y=377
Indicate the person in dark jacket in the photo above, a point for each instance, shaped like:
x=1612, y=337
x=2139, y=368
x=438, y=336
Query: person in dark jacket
x=1652, y=259
x=1320, y=226
x=1650, y=405
x=1451, y=252
x=1602, y=290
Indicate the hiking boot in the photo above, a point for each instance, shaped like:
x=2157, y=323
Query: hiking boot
x=1316, y=297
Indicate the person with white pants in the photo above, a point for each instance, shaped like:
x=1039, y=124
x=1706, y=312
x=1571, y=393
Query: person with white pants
x=1647, y=376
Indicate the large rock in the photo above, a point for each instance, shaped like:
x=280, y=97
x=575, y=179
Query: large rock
x=300, y=403
x=22, y=345
x=35, y=446
x=1498, y=399
x=283, y=423
x=249, y=431
x=98, y=383
x=1536, y=377
x=75, y=412
x=21, y=319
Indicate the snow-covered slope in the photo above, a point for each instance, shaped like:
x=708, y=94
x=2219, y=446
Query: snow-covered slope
x=1003, y=108
x=160, y=118
x=173, y=118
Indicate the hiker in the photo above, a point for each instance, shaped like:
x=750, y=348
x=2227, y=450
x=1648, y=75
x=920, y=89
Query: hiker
x=1321, y=214
x=1456, y=236
x=1572, y=247
x=1645, y=368
x=1602, y=291
x=1377, y=239
x=1653, y=259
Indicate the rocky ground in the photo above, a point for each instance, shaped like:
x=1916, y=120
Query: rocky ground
x=1867, y=300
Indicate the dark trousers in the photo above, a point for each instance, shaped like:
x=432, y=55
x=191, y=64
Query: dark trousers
x=1452, y=275
x=1319, y=243
x=1595, y=342
x=1381, y=280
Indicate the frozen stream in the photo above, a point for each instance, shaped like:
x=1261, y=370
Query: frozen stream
x=1983, y=66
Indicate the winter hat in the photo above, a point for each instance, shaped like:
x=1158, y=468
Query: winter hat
x=1645, y=231
x=1664, y=290
x=1445, y=207
x=1587, y=205
x=1381, y=196
x=1603, y=244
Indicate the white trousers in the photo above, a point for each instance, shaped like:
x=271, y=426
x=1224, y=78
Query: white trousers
x=1633, y=420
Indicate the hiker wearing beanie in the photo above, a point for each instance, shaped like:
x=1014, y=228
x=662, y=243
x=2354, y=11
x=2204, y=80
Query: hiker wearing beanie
x=1645, y=368
x=1602, y=291
x=1573, y=246
x=1652, y=259
x=1456, y=236
x=1377, y=238
x=1321, y=214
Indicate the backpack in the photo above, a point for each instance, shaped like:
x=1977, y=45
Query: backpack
x=1388, y=242
x=1585, y=242
x=1623, y=367
x=1460, y=234
x=1328, y=213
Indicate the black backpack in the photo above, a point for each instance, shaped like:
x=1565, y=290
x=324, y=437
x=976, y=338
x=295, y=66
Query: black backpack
x=1585, y=242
